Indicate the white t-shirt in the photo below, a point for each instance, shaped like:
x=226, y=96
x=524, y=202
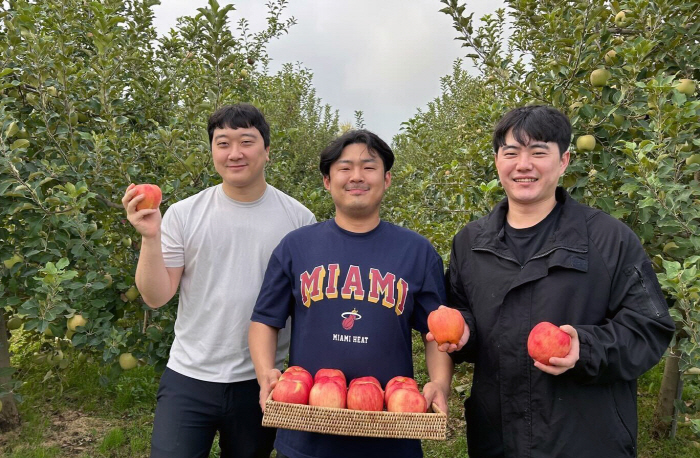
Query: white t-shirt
x=225, y=246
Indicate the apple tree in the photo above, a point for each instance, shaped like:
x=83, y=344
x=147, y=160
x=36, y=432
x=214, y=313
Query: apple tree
x=92, y=100
x=625, y=72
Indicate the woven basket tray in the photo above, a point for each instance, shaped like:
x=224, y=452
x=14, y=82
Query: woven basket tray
x=346, y=422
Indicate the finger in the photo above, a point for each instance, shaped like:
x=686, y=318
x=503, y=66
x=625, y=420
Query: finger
x=133, y=202
x=569, y=330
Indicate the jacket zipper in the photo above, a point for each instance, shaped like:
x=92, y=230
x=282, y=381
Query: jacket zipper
x=497, y=254
x=644, y=287
x=547, y=253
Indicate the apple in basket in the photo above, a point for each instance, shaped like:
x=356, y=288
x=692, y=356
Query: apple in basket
x=334, y=373
x=365, y=395
x=291, y=391
x=407, y=400
x=398, y=382
x=298, y=373
x=328, y=392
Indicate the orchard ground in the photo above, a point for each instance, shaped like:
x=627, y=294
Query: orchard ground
x=69, y=413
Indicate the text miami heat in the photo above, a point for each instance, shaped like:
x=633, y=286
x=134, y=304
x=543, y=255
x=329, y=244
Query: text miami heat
x=392, y=290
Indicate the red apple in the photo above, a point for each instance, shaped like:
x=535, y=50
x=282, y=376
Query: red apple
x=368, y=378
x=407, y=400
x=446, y=324
x=328, y=392
x=298, y=373
x=399, y=382
x=152, y=193
x=291, y=391
x=330, y=373
x=546, y=341
x=365, y=396
x=299, y=376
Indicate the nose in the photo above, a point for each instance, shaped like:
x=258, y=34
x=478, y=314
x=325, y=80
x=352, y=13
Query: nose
x=524, y=162
x=356, y=175
x=235, y=153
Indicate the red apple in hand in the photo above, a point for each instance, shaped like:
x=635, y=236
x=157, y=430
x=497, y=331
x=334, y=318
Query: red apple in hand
x=337, y=373
x=399, y=382
x=152, y=193
x=328, y=392
x=446, y=324
x=407, y=400
x=298, y=373
x=291, y=391
x=365, y=396
x=546, y=341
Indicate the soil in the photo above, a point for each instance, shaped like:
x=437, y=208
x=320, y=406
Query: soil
x=73, y=432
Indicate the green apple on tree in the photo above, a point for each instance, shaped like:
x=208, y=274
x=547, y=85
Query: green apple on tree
x=75, y=321
x=127, y=361
x=132, y=293
x=585, y=143
x=686, y=86
x=600, y=77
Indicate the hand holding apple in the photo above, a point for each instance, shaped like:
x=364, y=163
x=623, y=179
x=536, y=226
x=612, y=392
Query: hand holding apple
x=555, y=364
x=147, y=223
x=151, y=196
x=445, y=325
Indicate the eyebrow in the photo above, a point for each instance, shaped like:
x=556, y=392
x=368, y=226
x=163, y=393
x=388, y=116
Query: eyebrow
x=535, y=144
x=348, y=161
x=226, y=136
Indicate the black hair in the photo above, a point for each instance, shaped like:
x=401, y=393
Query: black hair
x=535, y=122
x=375, y=145
x=240, y=115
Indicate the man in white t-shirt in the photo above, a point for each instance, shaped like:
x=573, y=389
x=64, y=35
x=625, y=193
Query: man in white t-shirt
x=215, y=246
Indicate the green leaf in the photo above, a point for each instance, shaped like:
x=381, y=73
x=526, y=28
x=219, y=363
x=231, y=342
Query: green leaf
x=21, y=143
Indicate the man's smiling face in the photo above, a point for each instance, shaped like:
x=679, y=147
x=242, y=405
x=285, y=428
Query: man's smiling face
x=529, y=173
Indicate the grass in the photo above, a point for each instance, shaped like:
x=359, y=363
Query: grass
x=69, y=413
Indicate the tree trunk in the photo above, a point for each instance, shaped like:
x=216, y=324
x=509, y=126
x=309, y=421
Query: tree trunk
x=9, y=416
x=665, y=409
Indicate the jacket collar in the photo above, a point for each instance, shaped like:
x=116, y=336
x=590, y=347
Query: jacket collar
x=570, y=231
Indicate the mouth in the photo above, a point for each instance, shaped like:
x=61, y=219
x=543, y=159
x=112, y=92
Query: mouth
x=357, y=191
x=525, y=180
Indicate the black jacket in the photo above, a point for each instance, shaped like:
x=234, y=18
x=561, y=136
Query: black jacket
x=593, y=274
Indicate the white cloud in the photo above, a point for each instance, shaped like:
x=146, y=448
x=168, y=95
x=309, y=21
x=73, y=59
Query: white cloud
x=383, y=57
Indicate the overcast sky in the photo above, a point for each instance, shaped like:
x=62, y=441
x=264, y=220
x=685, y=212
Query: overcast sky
x=383, y=57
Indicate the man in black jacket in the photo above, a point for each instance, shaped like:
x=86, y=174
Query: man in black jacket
x=541, y=256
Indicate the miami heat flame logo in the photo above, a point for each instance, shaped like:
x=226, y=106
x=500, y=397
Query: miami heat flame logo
x=349, y=318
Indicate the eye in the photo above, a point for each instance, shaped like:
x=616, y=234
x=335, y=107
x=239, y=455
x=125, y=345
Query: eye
x=222, y=144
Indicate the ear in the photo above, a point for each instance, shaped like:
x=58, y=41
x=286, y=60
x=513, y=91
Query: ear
x=267, y=154
x=387, y=180
x=327, y=182
x=564, y=162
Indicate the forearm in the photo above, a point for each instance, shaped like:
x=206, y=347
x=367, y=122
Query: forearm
x=440, y=366
x=152, y=278
x=262, y=341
